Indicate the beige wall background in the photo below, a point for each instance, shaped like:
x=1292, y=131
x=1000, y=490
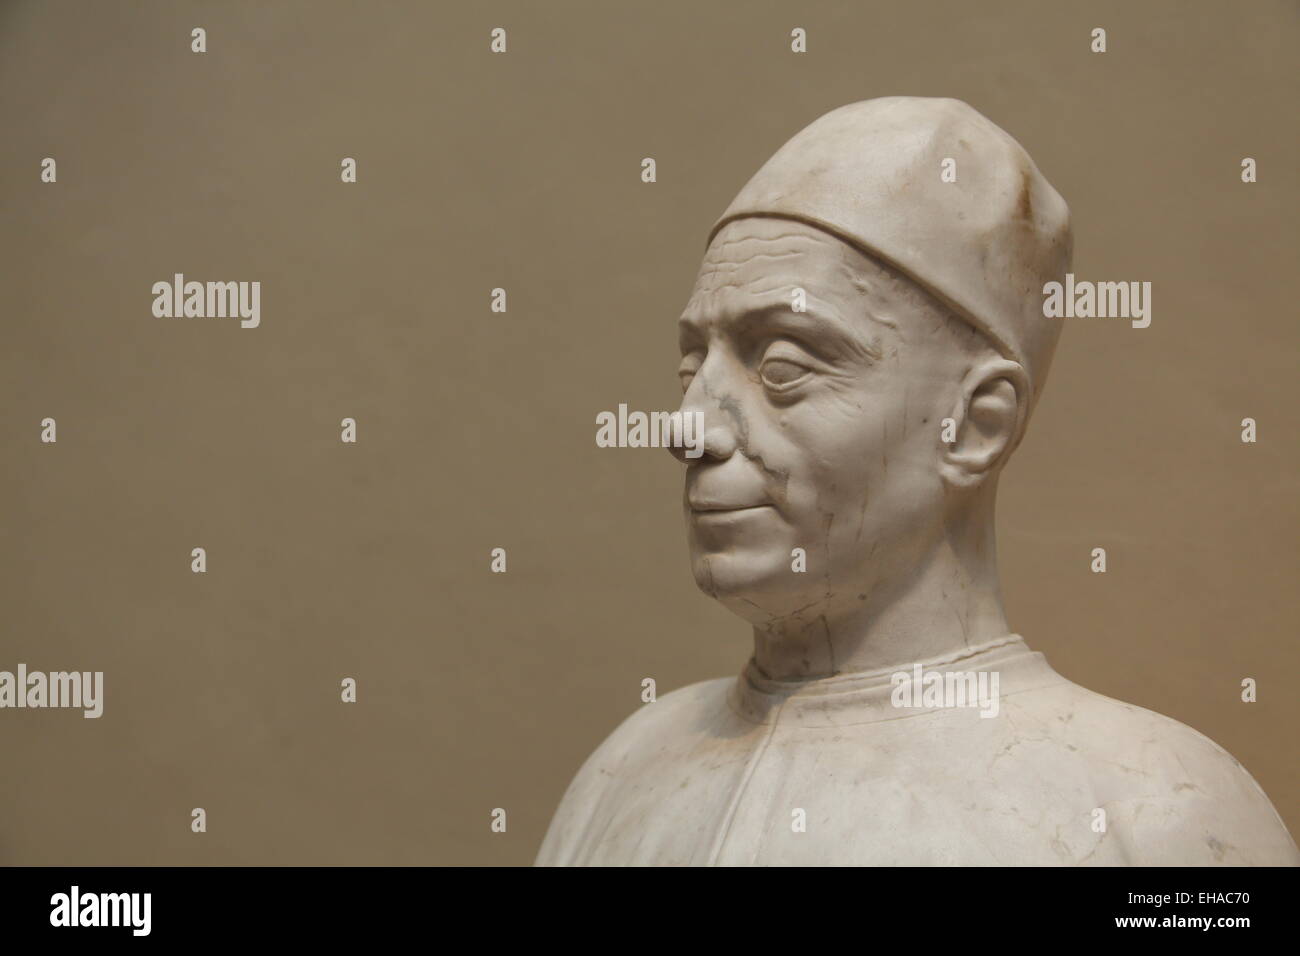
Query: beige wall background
x=476, y=430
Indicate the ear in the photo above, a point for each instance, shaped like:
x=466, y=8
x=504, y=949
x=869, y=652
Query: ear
x=989, y=417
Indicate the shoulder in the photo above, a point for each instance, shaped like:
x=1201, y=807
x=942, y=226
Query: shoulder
x=634, y=744
x=656, y=725
x=1172, y=796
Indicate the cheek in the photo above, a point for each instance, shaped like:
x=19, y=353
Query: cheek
x=835, y=456
x=856, y=455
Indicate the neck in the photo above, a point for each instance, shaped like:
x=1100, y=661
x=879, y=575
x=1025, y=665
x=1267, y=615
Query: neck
x=949, y=601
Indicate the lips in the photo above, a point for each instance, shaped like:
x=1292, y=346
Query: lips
x=722, y=507
x=733, y=487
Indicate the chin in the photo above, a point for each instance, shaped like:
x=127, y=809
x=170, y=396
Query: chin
x=756, y=586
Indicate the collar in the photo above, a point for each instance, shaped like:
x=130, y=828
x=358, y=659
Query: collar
x=869, y=696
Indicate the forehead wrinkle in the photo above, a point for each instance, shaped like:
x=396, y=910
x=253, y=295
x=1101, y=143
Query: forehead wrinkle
x=726, y=258
x=806, y=233
x=723, y=274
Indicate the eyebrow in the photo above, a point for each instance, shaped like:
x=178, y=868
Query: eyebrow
x=815, y=325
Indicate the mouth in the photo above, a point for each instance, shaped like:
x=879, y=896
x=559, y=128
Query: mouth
x=713, y=510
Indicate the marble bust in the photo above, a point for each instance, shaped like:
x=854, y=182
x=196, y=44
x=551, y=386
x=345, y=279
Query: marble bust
x=866, y=342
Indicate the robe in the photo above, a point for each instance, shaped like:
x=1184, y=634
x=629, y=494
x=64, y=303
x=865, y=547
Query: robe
x=753, y=772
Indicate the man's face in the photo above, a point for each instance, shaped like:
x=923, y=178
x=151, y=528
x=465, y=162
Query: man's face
x=822, y=427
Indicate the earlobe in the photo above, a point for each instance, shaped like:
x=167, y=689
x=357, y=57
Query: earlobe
x=989, y=419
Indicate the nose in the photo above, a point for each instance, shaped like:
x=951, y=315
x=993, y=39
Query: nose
x=708, y=398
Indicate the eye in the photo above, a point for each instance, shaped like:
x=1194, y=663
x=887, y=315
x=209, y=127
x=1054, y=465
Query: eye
x=779, y=373
x=686, y=371
x=783, y=367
